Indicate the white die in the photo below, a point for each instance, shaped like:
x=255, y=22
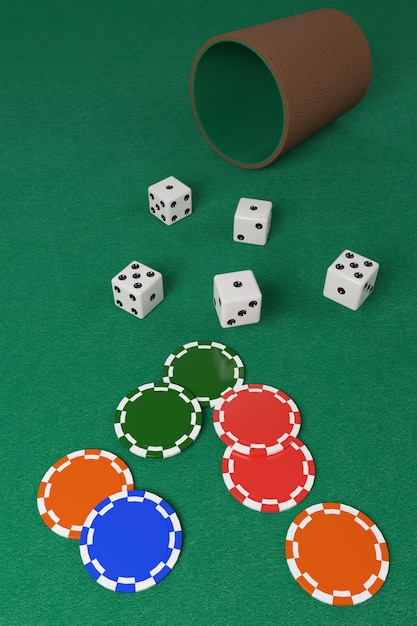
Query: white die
x=252, y=221
x=237, y=298
x=170, y=200
x=137, y=289
x=350, y=279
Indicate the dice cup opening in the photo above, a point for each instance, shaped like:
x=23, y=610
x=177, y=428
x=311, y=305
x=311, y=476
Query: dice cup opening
x=257, y=92
x=238, y=103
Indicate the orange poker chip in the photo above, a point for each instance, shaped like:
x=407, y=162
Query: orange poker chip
x=75, y=484
x=337, y=554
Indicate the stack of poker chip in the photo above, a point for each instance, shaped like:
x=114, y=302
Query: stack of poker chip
x=265, y=466
x=129, y=539
x=161, y=419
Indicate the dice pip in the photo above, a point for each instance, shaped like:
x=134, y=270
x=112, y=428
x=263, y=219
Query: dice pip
x=252, y=221
x=170, y=200
x=237, y=298
x=137, y=289
x=350, y=279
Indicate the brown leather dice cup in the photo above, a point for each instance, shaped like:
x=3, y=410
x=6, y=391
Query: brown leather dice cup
x=259, y=91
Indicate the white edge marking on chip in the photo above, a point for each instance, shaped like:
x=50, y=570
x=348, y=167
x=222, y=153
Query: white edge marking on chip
x=130, y=439
x=195, y=431
x=60, y=530
x=383, y=572
x=175, y=522
x=108, y=455
x=310, y=579
x=269, y=501
x=98, y=566
x=371, y=580
x=341, y=593
x=244, y=492
x=293, y=406
x=106, y=508
x=162, y=511
x=291, y=532
x=124, y=580
x=41, y=506
x=315, y=508
x=166, y=454
x=288, y=504
x=378, y=533
x=294, y=568
x=63, y=466
x=309, y=482
x=238, y=361
x=305, y=521
x=122, y=404
x=47, y=491
x=54, y=516
x=117, y=467
x=229, y=483
x=119, y=430
x=362, y=523
x=323, y=597
x=173, y=558
x=155, y=570
x=135, y=498
x=252, y=504
x=138, y=451
x=116, y=496
x=153, y=497
x=76, y=454
x=296, y=549
x=85, y=556
x=107, y=583
x=48, y=475
x=92, y=457
x=361, y=597
x=296, y=491
x=267, y=388
x=349, y=509
x=191, y=344
x=90, y=517
x=141, y=585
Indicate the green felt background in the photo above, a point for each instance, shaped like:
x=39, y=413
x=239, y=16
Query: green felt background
x=94, y=107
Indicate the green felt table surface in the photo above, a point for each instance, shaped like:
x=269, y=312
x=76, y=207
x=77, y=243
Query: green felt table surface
x=94, y=107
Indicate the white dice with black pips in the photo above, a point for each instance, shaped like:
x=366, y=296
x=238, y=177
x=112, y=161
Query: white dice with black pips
x=350, y=279
x=252, y=221
x=237, y=298
x=170, y=200
x=137, y=289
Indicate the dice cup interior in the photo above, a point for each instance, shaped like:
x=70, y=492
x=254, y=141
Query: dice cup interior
x=259, y=91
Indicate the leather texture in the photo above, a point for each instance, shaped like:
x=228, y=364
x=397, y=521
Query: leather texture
x=322, y=63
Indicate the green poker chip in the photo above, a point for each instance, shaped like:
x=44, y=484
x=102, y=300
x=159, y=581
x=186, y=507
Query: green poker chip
x=206, y=368
x=158, y=420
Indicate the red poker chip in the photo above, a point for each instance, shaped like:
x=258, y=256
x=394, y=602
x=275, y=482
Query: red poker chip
x=256, y=419
x=270, y=483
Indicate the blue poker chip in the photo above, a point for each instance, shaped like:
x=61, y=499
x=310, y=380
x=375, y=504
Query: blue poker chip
x=130, y=541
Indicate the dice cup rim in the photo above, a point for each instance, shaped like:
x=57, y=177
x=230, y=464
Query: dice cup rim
x=321, y=65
